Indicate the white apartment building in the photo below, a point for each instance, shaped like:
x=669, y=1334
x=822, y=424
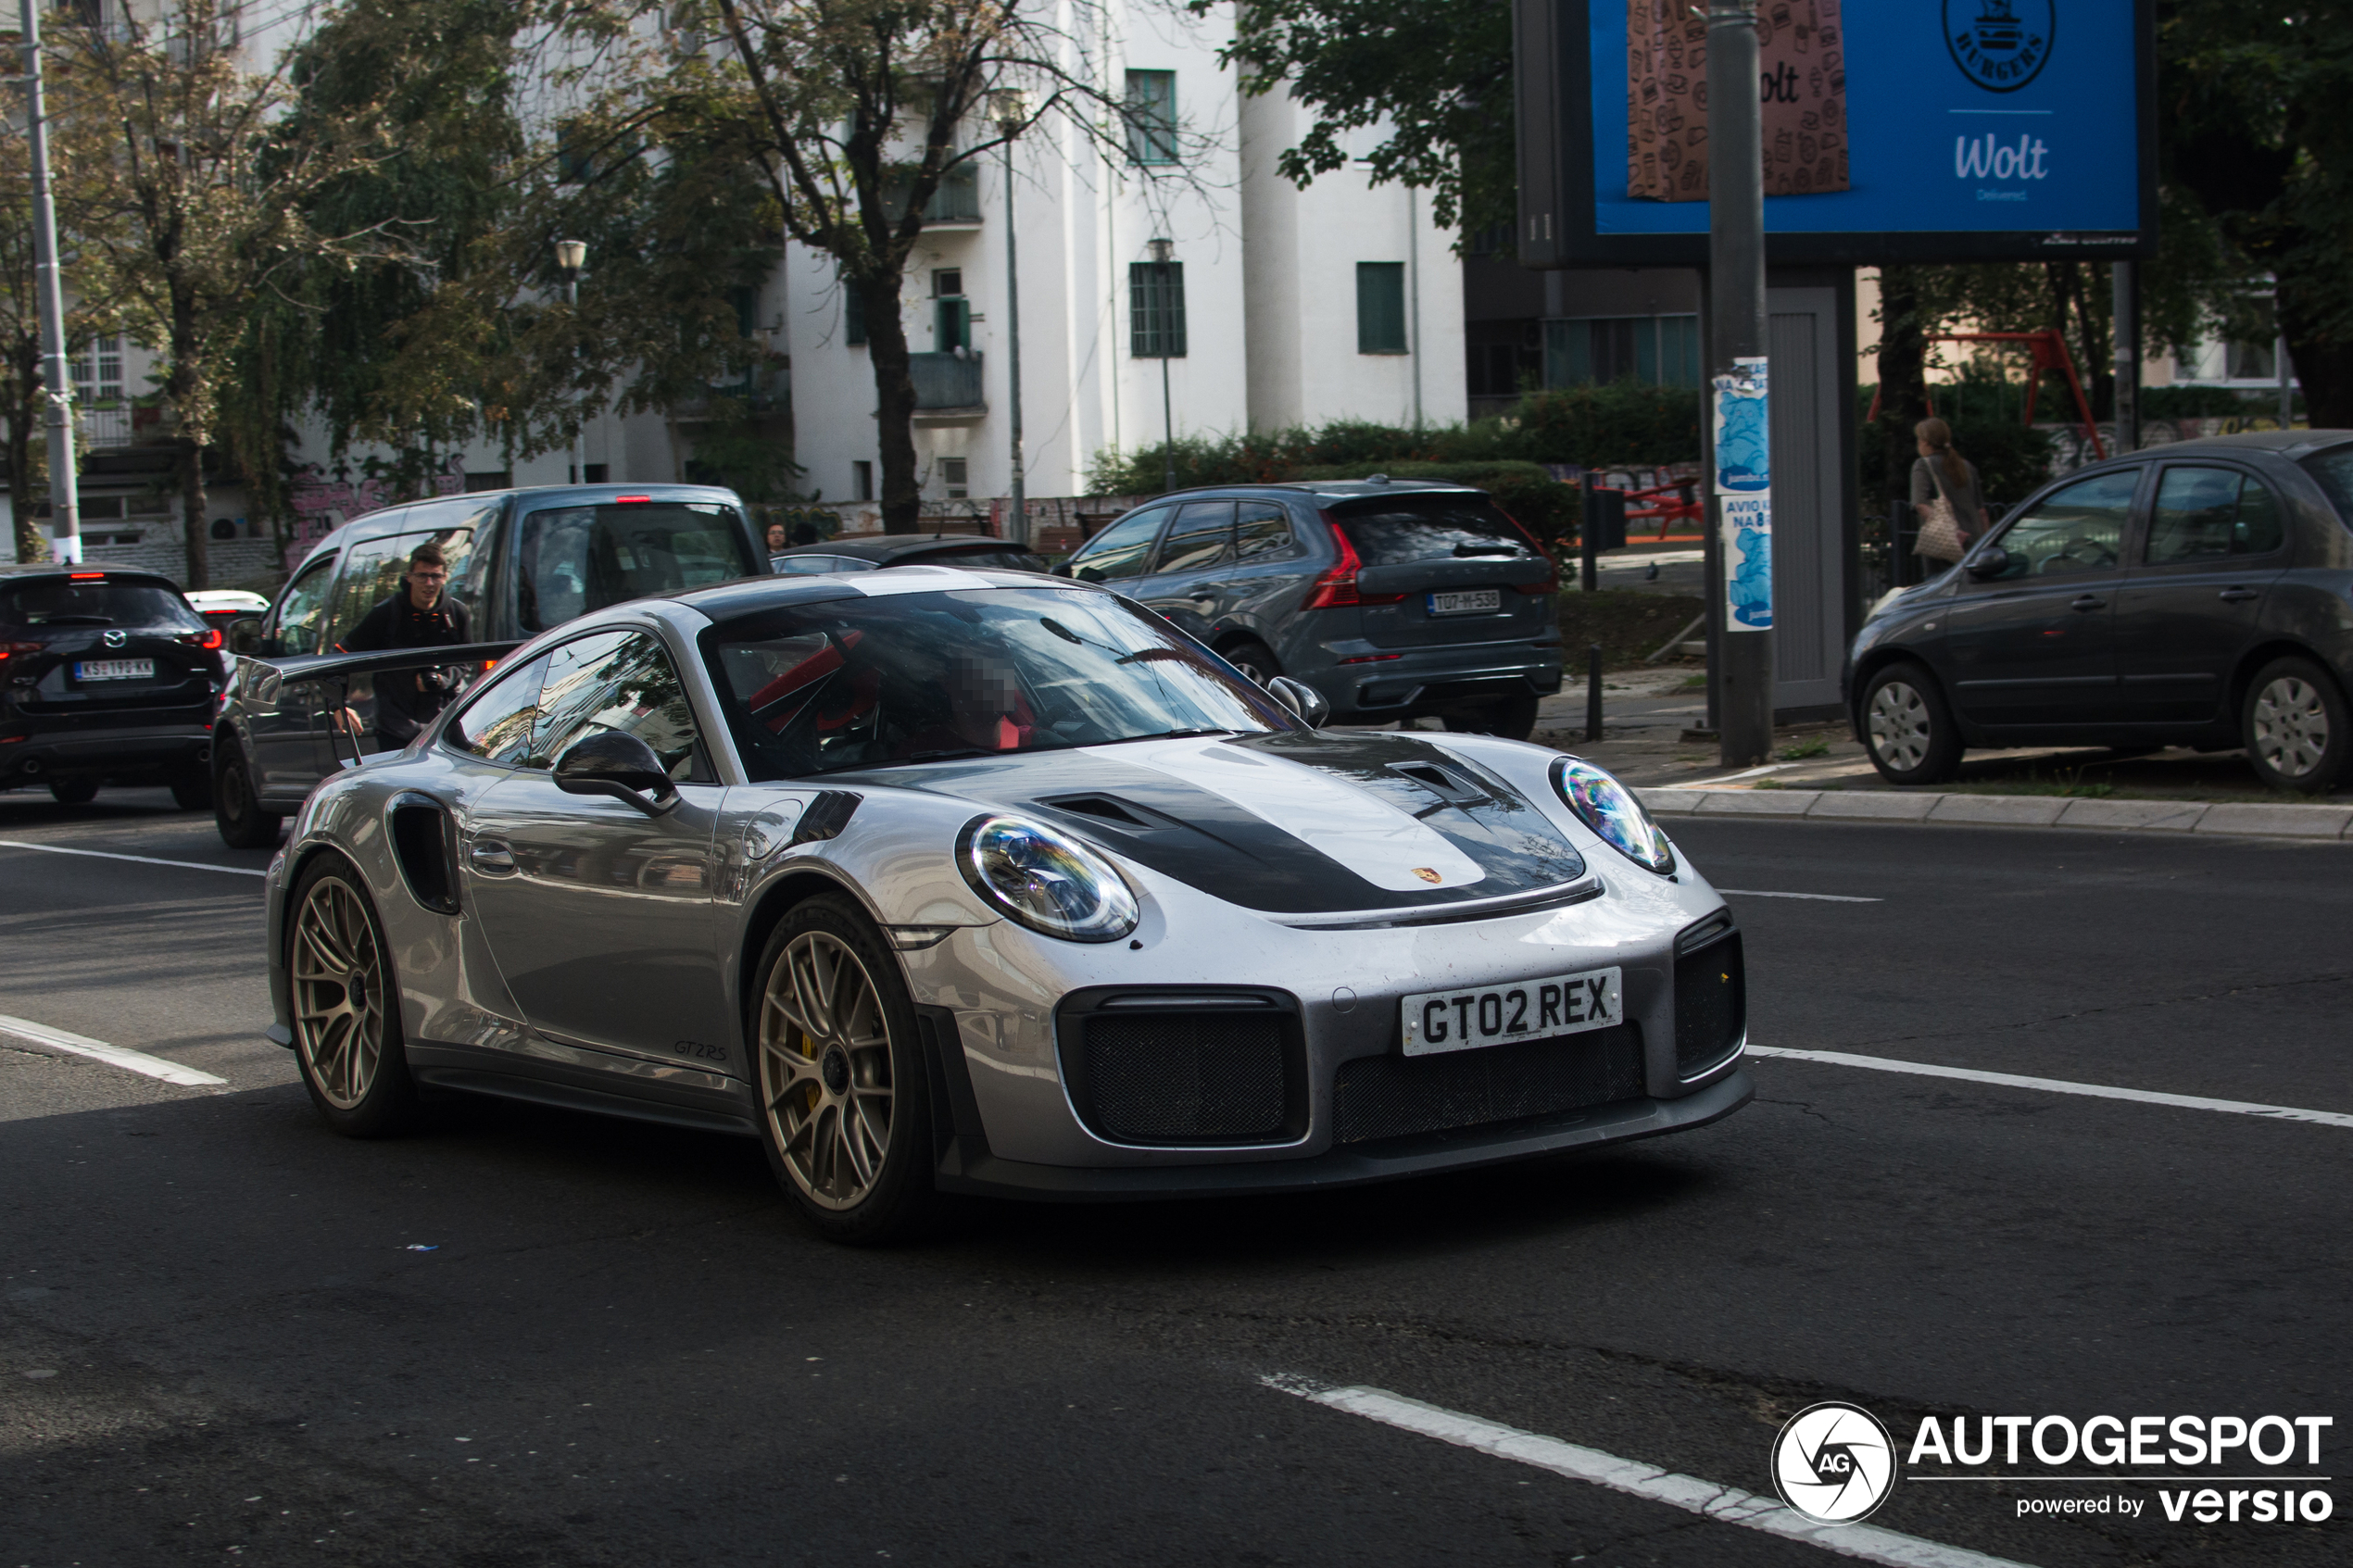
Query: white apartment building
x=1278, y=306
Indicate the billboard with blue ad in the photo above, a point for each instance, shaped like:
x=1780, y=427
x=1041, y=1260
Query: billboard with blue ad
x=1894, y=130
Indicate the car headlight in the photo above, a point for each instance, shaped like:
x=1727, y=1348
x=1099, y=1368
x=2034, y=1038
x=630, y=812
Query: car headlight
x=1611, y=810
x=1046, y=880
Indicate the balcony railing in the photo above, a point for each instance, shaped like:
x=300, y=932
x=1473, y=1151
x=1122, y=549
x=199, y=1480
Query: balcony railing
x=956, y=200
x=945, y=381
x=98, y=426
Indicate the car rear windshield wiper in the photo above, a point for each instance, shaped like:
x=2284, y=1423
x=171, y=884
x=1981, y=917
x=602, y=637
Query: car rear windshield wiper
x=76, y=621
x=1487, y=549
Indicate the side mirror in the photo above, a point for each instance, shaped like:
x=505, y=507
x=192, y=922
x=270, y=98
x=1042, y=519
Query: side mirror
x=1989, y=563
x=1306, y=704
x=1062, y=569
x=621, y=765
x=245, y=635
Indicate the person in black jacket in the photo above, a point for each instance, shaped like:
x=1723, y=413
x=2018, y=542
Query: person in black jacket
x=420, y=615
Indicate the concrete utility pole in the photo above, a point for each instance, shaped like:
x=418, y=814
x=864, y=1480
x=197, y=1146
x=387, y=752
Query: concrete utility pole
x=65, y=507
x=1740, y=433
x=1013, y=116
x=1164, y=254
x=2124, y=325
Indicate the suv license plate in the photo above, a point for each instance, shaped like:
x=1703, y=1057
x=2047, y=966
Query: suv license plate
x=1468, y=601
x=114, y=670
x=1524, y=1010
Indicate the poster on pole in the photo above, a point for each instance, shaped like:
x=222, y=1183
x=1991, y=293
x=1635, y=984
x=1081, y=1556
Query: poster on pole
x=1744, y=493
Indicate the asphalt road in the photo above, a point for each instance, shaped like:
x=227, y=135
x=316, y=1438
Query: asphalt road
x=624, y=1349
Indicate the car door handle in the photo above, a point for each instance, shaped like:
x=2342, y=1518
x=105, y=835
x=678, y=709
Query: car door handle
x=2087, y=602
x=2236, y=596
x=490, y=856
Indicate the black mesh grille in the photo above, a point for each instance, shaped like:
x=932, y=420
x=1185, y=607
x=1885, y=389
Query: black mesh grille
x=1387, y=1097
x=1186, y=1077
x=1711, y=1005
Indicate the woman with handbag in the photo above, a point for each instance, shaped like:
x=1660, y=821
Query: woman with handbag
x=1945, y=495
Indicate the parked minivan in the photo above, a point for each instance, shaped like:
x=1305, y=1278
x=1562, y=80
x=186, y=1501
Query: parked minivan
x=2193, y=595
x=1394, y=598
x=520, y=562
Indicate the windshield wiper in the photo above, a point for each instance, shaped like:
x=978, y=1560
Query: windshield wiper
x=1179, y=734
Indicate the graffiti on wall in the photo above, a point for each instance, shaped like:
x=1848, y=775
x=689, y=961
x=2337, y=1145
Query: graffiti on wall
x=322, y=504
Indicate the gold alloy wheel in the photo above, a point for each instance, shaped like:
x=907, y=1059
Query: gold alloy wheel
x=338, y=993
x=2291, y=725
x=824, y=1069
x=1899, y=725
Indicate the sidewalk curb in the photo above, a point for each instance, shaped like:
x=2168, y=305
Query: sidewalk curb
x=2234, y=819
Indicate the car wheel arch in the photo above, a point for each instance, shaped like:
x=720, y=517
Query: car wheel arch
x=775, y=901
x=2263, y=653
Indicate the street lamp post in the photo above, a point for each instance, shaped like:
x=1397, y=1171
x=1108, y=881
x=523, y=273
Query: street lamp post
x=571, y=257
x=1741, y=661
x=1163, y=253
x=64, y=502
x=1012, y=116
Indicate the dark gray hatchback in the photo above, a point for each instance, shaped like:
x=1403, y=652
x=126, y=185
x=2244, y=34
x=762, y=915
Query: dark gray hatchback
x=1395, y=599
x=2193, y=594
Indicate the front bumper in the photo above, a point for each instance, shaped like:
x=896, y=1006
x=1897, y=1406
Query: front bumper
x=968, y=1170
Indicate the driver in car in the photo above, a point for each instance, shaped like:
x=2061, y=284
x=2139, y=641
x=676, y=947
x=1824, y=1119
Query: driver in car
x=419, y=615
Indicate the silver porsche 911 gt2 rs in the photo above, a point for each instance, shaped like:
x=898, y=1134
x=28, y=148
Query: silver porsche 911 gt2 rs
x=943, y=881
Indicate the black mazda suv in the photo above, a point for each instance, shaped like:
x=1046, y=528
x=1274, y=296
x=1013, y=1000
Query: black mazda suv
x=106, y=677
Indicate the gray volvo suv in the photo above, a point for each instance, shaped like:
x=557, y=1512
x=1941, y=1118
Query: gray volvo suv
x=1394, y=598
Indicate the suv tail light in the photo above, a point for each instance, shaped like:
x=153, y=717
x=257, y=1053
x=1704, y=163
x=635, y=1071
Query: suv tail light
x=209, y=639
x=1336, y=589
x=8, y=649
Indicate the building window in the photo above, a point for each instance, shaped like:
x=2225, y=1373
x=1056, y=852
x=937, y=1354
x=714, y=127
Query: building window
x=97, y=371
x=861, y=482
x=1151, y=116
x=1603, y=350
x=596, y=473
x=951, y=312
x=955, y=473
x=1380, y=307
x=1156, y=310
x=853, y=315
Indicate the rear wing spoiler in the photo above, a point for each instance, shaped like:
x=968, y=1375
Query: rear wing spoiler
x=342, y=666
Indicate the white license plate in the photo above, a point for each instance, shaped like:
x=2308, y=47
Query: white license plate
x=114, y=670
x=1467, y=601
x=1524, y=1010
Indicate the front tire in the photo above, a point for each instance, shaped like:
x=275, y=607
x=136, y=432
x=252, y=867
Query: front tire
x=2296, y=725
x=845, y=1106
x=1253, y=659
x=236, y=810
x=1908, y=729
x=346, y=1005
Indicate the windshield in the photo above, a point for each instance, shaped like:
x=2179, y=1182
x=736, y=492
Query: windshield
x=579, y=558
x=53, y=603
x=863, y=683
x=1393, y=531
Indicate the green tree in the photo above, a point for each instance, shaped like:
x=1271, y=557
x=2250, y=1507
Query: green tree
x=855, y=113
x=1437, y=72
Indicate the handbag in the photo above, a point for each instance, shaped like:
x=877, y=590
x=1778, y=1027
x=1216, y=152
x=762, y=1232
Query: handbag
x=1940, y=531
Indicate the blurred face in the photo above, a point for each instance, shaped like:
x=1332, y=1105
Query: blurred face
x=425, y=583
x=776, y=535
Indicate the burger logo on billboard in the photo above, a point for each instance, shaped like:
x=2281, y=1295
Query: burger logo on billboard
x=1833, y=1463
x=2000, y=45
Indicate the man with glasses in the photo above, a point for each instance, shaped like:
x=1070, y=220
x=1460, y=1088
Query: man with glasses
x=420, y=615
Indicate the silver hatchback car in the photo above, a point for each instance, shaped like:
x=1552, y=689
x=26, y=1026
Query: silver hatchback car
x=1394, y=598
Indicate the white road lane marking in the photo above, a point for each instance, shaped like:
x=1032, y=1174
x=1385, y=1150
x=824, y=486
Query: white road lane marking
x=1819, y=897
x=114, y=1055
x=2060, y=1085
x=142, y=859
x=1728, y=1504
